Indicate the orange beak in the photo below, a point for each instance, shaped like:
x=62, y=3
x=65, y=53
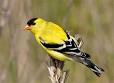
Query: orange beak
x=27, y=27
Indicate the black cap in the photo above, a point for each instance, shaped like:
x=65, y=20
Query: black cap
x=31, y=21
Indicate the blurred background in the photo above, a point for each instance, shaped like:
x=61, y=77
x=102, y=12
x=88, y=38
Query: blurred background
x=23, y=61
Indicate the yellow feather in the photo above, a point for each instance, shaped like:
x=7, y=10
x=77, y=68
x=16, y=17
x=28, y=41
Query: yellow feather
x=50, y=33
x=53, y=34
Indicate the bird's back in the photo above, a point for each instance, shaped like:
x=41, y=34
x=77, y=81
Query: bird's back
x=53, y=33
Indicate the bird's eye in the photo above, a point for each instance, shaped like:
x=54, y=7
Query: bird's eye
x=31, y=21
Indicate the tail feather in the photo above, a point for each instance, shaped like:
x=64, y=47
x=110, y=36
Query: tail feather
x=98, y=71
x=87, y=61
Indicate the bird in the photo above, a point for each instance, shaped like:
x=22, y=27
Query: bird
x=59, y=44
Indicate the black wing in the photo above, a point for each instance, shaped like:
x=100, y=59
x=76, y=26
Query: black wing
x=69, y=47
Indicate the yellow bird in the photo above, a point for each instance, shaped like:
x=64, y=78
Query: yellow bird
x=59, y=44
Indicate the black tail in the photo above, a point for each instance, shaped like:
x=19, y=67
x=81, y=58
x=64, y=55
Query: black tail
x=85, y=59
x=97, y=70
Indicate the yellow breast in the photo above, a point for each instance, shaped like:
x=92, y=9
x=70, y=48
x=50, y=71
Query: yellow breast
x=58, y=56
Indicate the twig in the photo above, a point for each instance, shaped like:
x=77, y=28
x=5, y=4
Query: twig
x=55, y=68
x=79, y=40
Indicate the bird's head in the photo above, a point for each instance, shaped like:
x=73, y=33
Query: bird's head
x=35, y=25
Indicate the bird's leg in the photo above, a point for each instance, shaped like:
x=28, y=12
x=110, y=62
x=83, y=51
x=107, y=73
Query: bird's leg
x=79, y=40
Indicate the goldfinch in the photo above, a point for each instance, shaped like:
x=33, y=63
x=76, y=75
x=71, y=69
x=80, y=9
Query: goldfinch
x=59, y=44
